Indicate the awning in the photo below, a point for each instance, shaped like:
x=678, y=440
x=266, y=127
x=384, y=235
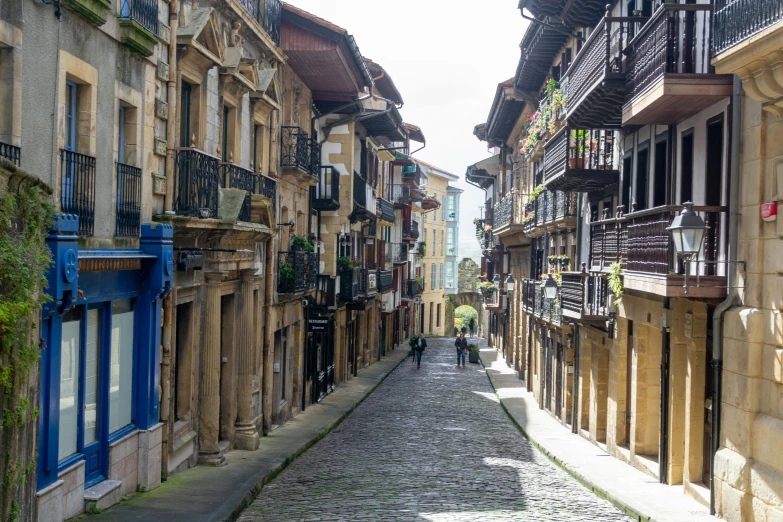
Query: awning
x=483, y=173
x=384, y=123
x=401, y=159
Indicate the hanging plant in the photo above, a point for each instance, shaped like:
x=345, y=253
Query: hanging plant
x=564, y=260
x=615, y=280
x=536, y=191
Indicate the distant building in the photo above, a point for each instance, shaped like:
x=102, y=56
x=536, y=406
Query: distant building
x=468, y=274
x=451, y=211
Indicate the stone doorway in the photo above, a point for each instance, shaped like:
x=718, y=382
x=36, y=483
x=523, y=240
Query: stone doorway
x=228, y=396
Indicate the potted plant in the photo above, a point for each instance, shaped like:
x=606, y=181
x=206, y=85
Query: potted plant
x=300, y=243
x=564, y=260
x=287, y=276
x=344, y=264
x=473, y=353
x=553, y=260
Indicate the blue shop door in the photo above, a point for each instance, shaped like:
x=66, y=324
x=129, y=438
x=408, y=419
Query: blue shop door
x=93, y=417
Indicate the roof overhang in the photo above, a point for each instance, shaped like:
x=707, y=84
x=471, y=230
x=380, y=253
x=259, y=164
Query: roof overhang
x=383, y=82
x=323, y=55
x=506, y=109
x=416, y=133
x=484, y=172
x=384, y=123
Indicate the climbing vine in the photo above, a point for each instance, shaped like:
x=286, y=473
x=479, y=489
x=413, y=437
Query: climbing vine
x=25, y=216
x=616, y=281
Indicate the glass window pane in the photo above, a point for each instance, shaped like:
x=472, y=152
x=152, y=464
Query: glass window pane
x=121, y=377
x=69, y=384
x=91, y=375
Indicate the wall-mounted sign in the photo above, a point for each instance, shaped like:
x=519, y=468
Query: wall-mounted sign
x=317, y=325
x=769, y=211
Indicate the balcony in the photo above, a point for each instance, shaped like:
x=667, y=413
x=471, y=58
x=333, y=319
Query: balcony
x=585, y=297
x=139, y=25
x=508, y=216
x=492, y=299
x=11, y=153
x=585, y=15
x=608, y=242
x=403, y=195
x=413, y=288
x=197, y=180
x=268, y=13
x=596, y=78
x=236, y=177
x=528, y=289
x=385, y=212
x=326, y=194
x=669, y=76
x=128, y=201
x=738, y=20
x=412, y=175
x=365, y=204
x=410, y=230
x=581, y=159
x=78, y=189
x=551, y=211
x=297, y=272
x=301, y=157
x=326, y=292
x=266, y=187
x=350, y=283
x=399, y=252
x=385, y=280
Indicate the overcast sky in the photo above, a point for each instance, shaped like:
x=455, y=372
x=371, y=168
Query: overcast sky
x=446, y=59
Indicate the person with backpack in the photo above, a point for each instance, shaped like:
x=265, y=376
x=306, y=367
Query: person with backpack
x=472, y=325
x=421, y=345
x=462, y=347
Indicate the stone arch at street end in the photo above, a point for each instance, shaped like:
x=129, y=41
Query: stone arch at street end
x=475, y=301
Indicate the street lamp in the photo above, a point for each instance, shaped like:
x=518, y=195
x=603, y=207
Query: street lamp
x=550, y=288
x=510, y=283
x=496, y=280
x=687, y=231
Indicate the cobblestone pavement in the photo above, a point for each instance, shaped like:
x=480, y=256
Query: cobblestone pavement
x=430, y=444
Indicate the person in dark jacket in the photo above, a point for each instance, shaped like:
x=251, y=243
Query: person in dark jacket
x=472, y=326
x=421, y=345
x=464, y=329
x=462, y=346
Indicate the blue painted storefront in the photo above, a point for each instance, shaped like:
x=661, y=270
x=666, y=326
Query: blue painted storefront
x=100, y=365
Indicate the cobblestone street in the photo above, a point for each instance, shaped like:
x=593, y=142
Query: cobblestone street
x=429, y=444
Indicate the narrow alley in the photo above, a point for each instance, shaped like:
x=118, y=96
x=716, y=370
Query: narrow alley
x=443, y=449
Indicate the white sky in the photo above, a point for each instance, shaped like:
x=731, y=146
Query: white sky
x=446, y=58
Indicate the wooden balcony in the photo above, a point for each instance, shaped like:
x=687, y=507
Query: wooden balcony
x=581, y=159
x=669, y=75
x=508, y=217
x=585, y=297
x=596, y=78
x=641, y=244
x=551, y=211
x=573, y=14
x=326, y=194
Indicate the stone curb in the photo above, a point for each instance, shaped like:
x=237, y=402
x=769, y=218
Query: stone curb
x=278, y=468
x=601, y=492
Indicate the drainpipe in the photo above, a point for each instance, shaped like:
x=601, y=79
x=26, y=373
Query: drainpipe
x=171, y=127
x=266, y=373
x=663, y=459
x=733, y=295
x=575, y=392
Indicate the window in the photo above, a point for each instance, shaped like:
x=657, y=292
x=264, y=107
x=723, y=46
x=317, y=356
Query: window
x=642, y=171
x=450, y=250
x=258, y=132
x=438, y=316
x=91, y=375
x=69, y=383
x=686, y=167
x=71, y=115
x=434, y=276
x=443, y=208
x=121, y=376
x=442, y=276
x=625, y=196
x=661, y=174
x=224, y=142
x=449, y=275
x=185, y=111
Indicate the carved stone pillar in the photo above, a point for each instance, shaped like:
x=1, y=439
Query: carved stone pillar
x=246, y=433
x=209, y=414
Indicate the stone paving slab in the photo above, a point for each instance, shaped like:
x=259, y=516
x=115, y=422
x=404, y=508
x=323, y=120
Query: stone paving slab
x=207, y=494
x=429, y=445
x=638, y=494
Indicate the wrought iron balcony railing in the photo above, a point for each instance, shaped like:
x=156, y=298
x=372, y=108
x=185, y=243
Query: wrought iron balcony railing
x=296, y=150
x=737, y=20
x=399, y=253
x=11, y=153
x=350, y=283
x=326, y=194
x=529, y=219
x=385, y=210
x=565, y=204
x=236, y=177
x=197, y=180
x=414, y=288
x=268, y=13
x=128, y=201
x=143, y=12
x=385, y=280
x=78, y=189
x=297, y=272
x=676, y=40
x=504, y=212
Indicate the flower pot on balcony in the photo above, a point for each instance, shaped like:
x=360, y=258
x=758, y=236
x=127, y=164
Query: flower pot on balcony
x=576, y=163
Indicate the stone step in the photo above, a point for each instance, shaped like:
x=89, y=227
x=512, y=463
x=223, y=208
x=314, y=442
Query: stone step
x=104, y=494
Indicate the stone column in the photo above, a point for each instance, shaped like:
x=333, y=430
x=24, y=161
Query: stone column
x=209, y=414
x=246, y=433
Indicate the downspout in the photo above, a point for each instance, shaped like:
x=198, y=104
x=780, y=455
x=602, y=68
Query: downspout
x=577, y=340
x=268, y=340
x=168, y=204
x=733, y=294
x=171, y=127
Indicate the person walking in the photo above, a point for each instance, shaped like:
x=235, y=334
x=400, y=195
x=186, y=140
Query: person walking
x=472, y=325
x=464, y=329
x=462, y=346
x=456, y=331
x=421, y=345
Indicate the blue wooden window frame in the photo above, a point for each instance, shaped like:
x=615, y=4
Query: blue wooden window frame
x=71, y=89
x=105, y=438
